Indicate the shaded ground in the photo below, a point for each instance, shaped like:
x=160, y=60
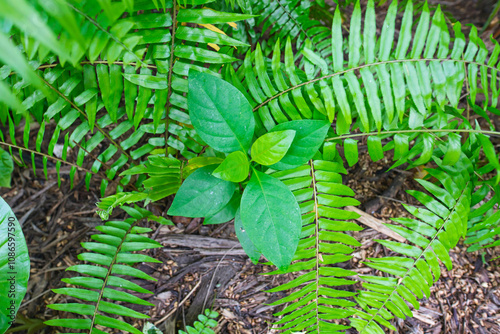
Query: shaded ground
x=203, y=266
x=207, y=258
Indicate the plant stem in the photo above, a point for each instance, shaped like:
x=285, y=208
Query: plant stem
x=493, y=133
x=170, y=72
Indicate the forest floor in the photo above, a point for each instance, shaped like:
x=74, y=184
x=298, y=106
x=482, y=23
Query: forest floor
x=204, y=266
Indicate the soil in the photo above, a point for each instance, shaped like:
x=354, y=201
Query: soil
x=204, y=266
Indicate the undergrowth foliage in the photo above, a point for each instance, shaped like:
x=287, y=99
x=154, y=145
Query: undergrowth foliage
x=111, y=259
x=155, y=98
x=324, y=242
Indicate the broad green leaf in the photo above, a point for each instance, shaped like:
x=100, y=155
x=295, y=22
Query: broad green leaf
x=201, y=194
x=226, y=124
x=226, y=213
x=272, y=147
x=404, y=38
x=6, y=168
x=372, y=96
x=81, y=309
x=234, y=168
x=309, y=135
x=401, y=145
x=199, y=162
x=247, y=244
x=14, y=267
x=271, y=217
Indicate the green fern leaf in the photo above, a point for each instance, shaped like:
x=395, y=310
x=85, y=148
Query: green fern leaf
x=110, y=255
x=431, y=234
x=316, y=300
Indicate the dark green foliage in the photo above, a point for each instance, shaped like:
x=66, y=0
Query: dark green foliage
x=110, y=261
x=436, y=229
x=205, y=324
x=134, y=90
x=14, y=267
x=73, y=96
x=325, y=242
x=290, y=18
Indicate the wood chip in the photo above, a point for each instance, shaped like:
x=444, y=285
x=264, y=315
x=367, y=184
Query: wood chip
x=375, y=224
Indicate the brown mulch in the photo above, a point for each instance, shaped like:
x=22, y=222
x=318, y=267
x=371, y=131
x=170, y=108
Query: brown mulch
x=208, y=260
x=203, y=266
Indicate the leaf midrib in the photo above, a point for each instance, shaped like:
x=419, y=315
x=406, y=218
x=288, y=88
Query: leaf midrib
x=370, y=65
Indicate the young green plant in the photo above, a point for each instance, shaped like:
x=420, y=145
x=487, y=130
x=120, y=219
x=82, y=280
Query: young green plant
x=268, y=211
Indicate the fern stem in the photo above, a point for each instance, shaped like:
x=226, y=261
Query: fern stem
x=87, y=62
x=366, y=66
x=105, y=281
x=47, y=156
x=95, y=62
x=422, y=254
x=485, y=132
x=316, y=220
x=170, y=71
x=86, y=117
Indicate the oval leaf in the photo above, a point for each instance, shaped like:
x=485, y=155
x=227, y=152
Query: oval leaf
x=201, y=194
x=247, y=244
x=271, y=218
x=272, y=147
x=226, y=213
x=226, y=124
x=234, y=168
x=309, y=135
x=14, y=267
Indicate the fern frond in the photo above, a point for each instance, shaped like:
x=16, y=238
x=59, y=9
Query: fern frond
x=432, y=233
x=164, y=179
x=318, y=296
x=111, y=256
x=155, y=104
x=290, y=18
x=484, y=221
x=439, y=136
x=394, y=79
x=74, y=114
